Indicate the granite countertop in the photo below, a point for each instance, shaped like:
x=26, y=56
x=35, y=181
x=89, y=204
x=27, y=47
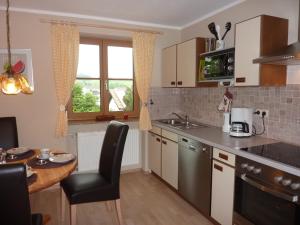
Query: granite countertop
x=215, y=137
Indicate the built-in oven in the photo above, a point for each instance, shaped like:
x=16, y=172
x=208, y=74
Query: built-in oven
x=264, y=195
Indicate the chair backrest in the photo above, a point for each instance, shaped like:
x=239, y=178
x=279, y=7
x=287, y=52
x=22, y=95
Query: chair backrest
x=14, y=199
x=8, y=133
x=112, y=151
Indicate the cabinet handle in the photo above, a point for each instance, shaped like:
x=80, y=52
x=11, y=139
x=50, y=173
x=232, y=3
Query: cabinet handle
x=164, y=142
x=217, y=167
x=173, y=83
x=179, y=83
x=240, y=79
x=157, y=139
x=223, y=156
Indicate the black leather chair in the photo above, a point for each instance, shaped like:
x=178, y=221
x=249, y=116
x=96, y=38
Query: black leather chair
x=104, y=184
x=14, y=199
x=8, y=133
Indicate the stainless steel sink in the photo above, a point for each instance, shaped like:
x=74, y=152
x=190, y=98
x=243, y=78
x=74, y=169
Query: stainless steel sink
x=180, y=124
x=173, y=122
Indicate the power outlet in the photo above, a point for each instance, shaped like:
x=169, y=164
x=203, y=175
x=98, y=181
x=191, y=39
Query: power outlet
x=260, y=112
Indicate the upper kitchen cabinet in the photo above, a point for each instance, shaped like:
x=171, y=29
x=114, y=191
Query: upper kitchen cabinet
x=179, y=63
x=260, y=36
x=169, y=66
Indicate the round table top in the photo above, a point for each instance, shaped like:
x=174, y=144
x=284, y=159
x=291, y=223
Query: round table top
x=48, y=176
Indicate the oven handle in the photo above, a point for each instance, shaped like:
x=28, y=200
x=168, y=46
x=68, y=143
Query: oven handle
x=290, y=198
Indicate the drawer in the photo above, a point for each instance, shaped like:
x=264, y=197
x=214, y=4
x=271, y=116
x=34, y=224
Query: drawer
x=156, y=130
x=170, y=135
x=224, y=156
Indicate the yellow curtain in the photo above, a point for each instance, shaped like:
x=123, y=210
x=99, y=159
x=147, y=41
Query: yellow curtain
x=65, y=50
x=143, y=53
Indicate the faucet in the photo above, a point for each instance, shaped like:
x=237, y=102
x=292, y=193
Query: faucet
x=186, y=117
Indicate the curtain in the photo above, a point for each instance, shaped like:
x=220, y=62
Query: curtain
x=143, y=53
x=65, y=50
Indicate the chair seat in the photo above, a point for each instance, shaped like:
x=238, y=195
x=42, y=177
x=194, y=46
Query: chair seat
x=37, y=219
x=89, y=187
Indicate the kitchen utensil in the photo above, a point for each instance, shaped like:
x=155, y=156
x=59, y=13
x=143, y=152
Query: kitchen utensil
x=212, y=29
x=218, y=32
x=227, y=27
x=241, y=122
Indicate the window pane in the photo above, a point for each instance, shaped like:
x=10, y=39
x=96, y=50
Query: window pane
x=121, y=95
x=120, y=62
x=88, y=63
x=86, y=96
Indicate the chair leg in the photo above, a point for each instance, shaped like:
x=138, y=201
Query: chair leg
x=63, y=206
x=72, y=214
x=119, y=213
x=108, y=205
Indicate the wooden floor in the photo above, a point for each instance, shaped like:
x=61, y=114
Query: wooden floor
x=144, y=200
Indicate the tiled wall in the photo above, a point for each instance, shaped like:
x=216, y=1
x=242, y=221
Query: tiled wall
x=165, y=101
x=201, y=104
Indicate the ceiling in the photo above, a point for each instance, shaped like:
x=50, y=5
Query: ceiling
x=160, y=13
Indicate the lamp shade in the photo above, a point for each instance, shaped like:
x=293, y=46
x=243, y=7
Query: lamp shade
x=10, y=85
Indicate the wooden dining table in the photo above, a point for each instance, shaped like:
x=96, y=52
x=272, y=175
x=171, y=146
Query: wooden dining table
x=46, y=177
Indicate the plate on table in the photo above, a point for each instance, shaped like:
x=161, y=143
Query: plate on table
x=18, y=151
x=62, y=158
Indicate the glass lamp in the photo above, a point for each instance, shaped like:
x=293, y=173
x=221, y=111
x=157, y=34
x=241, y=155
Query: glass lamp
x=11, y=82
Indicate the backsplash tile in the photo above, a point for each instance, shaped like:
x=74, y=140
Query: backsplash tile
x=201, y=104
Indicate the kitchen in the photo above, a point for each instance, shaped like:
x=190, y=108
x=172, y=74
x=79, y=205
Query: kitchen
x=200, y=104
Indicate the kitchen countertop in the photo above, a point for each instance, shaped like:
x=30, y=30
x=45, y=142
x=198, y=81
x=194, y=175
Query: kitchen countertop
x=215, y=137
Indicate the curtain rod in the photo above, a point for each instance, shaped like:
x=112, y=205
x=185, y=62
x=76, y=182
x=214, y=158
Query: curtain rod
x=99, y=26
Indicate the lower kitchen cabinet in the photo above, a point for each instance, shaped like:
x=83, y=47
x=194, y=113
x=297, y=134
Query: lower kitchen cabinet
x=154, y=153
x=170, y=162
x=222, y=193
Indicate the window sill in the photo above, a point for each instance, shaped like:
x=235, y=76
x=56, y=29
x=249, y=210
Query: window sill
x=78, y=122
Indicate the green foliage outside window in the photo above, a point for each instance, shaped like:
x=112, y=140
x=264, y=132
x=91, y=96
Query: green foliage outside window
x=84, y=102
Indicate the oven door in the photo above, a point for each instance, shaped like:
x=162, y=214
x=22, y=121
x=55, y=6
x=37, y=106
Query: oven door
x=255, y=203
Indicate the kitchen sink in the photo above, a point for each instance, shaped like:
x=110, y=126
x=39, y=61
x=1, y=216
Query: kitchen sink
x=173, y=122
x=180, y=124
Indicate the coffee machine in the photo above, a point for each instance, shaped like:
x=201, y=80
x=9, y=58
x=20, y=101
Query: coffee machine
x=241, y=122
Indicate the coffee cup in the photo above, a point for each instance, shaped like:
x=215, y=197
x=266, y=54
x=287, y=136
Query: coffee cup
x=45, y=153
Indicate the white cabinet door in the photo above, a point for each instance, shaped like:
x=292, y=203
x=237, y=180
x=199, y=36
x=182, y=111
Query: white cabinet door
x=247, y=48
x=222, y=193
x=170, y=162
x=169, y=66
x=154, y=153
x=186, y=63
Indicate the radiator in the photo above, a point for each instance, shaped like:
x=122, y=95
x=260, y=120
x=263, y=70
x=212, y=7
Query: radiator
x=89, y=148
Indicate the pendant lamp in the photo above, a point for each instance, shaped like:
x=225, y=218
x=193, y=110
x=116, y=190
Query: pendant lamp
x=12, y=81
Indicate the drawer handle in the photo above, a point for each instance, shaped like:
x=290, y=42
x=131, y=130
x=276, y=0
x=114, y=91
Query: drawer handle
x=157, y=139
x=173, y=83
x=223, y=156
x=164, y=142
x=179, y=83
x=217, y=167
x=240, y=79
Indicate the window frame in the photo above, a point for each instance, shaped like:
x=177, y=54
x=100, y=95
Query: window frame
x=104, y=92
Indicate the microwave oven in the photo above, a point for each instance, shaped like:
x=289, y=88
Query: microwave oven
x=216, y=65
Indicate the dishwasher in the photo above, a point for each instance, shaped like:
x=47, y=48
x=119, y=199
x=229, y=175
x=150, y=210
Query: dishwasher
x=194, y=173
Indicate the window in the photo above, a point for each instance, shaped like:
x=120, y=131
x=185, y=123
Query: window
x=105, y=82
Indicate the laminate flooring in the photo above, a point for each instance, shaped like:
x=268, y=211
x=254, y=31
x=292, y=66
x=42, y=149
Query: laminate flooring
x=145, y=200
